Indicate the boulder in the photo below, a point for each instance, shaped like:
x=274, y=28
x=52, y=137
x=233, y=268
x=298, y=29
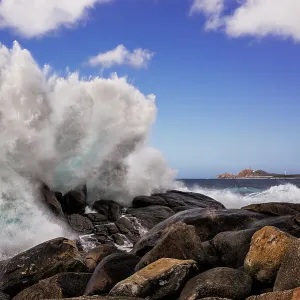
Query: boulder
x=94, y=256
x=214, y=298
x=80, y=224
x=162, y=279
x=97, y=219
x=219, y=282
x=112, y=210
x=268, y=245
x=288, y=276
x=275, y=208
x=149, y=216
x=64, y=285
x=51, y=201
x=178, y=241
x=207, y=223
x=178, y=201
x=111, y=270
x=102, y=298
x=128, y=227
x=40, y=262
x=74, y=202
x=285, y=295
x=4, y=296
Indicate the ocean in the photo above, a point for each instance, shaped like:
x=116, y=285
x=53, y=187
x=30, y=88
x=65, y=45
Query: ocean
x=236, y=193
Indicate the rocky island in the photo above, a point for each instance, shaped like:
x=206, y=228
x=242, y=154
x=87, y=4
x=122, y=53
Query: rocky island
x=258, y=174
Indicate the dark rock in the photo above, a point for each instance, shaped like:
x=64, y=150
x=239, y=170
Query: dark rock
x=162, y=279
x=275, y=208
x=233, y=246
x=110, y=271
x=120, y=239
x=128, y=227
x=211, y=254
x=268, y=246
x=207, y=222
x=218, y=282
x=64, y=285
x=101, y=230
x=151, y=215
x=214, y=298
x=96, y=218
x=51, y=201
x=80, y=224
x=112, y=228
x=108, y=208
x=178, y=201
x=74, y=202
x=102, y=298
x=288, y=276
x=94, y=256
x=178, y=241
x=4, y=296
x=40, y=262
x=285, y=295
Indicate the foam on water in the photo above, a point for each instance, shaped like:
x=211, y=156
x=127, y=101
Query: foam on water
x=67, y=131
x=234, y=199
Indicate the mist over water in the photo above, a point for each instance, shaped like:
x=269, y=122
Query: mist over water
x=67, y=131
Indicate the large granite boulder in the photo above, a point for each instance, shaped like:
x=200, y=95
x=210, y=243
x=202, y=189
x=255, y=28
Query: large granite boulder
x=207, y=223
x=285, y=295
x=288, y=276
x=40, y=262
x=275, y=208
x=74, y=202
x=218, y=282
x=149, y=216
x=80, y=224
x=95, y=255
x=162, y=279
x=63, y=285
x=112, y=210
x=178, y=241
x=178, y=201
x=111, y=270
x=268, y=246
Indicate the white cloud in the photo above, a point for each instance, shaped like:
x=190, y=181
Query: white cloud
x=32, y=18
x=138, y=58
x=258, y=18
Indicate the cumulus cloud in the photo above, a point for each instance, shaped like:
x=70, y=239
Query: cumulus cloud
x=33, y=18
x=258, y=18
x=138, y=58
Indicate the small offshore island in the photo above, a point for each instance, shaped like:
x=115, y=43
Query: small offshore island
x=258, y=174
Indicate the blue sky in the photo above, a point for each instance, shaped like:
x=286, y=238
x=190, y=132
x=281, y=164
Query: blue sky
x=225, y=74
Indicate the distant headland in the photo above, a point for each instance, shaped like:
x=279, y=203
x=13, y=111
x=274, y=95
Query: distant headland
x=258, y=174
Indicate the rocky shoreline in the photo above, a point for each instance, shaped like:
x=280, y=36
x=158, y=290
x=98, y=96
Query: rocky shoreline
x=173, y=245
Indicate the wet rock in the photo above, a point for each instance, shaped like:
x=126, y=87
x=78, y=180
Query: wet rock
x=267, y=248
x=51, y=201
x=178, y=201
x=288, y=276
x=102, y=298
x=112, y=228
x=149, y=216
x=4, y=296
x=275, y=208
x=64, y=285
x=74, y=202
x=178, y=241
x=40, y=262
x=94, y=256
x=110, y=271
x=218, y=282
x=80, y=224
x=97, y=219
x=214, y=298
x=128, y=227
x=207, y=222
x=233, y=246
x=286, y=295
x=108, y=208
x=161, y=279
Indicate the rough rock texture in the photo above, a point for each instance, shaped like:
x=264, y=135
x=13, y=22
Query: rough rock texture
x=275, y=208
x=267, y=248
x=232, y=246
x=64, y=285
x=81, y=224
x=40, y=262
x=94, y=256
x=288, y=276
x=74, y=202
x=151, y=215
x=51, y=201
x=177, y=201
x=286, y=295
x=108, y=208
x=4, y=296
x=161, y=279
x=102, y=298
x=127, y=225
x=110, y=271
x=178, y=241
x=218, y=282
x=207, y=222
x=214, y=298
